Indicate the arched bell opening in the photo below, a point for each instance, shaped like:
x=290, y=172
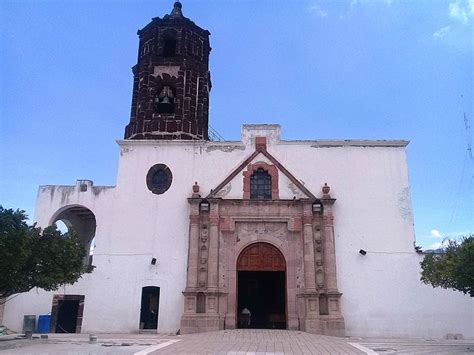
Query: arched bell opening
x=169, y=43
x=165, y=101
x=261, y=287
x=82, y=221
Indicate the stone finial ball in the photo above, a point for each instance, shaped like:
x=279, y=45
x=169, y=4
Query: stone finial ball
x=326, y=188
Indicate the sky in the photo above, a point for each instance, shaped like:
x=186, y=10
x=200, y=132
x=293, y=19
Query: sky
x=357, y=69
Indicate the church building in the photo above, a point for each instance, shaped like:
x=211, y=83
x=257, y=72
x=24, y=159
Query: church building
x=202, y=235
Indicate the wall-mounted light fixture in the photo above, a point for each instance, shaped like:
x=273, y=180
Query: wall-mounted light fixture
x=204, y=206
x=362, y=252
x=153, y=261
x=317, y=207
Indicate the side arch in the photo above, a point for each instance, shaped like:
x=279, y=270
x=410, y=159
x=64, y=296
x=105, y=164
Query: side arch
x=82, y=220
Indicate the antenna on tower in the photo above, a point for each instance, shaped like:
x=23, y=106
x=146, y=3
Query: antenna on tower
x=469, y=161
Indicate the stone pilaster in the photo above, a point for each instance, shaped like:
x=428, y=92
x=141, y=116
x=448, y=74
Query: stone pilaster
x=308, y=248
x=329, y=245
x=333, y=321
x=311, y=322
x=201, y=305
x=213, y=248
x=193, y=245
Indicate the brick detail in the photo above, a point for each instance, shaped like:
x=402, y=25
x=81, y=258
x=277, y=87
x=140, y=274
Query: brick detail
x=261, y=143
x=185, y=72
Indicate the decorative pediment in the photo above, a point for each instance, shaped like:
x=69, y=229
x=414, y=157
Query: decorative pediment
x=261, y=162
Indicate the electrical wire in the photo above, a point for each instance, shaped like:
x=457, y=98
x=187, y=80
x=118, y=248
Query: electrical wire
x=456, y=196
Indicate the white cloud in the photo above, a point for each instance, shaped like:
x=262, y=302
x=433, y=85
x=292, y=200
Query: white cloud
x=442, y=32
x=435, y=234
x=318, y=10
x=462, y=10
x=384, y=2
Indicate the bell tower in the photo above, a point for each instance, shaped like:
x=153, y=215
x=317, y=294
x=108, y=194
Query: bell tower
x=171, y=80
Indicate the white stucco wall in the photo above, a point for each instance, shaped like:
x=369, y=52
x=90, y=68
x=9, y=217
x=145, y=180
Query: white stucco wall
x=382, y=295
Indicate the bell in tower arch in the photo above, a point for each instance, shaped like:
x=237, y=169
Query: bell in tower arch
x=171, y=80
x=165, y=101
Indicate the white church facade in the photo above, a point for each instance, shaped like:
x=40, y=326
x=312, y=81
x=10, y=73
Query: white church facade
x=308, y=235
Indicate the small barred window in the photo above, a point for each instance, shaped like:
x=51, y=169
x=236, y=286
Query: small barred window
x=260, y=185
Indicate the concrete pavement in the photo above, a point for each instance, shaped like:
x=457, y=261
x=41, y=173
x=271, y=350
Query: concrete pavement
x=231, y=342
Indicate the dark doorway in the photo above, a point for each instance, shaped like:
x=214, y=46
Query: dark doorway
x=66, y=313
x=261, y=287
x=149, y=307
x=263, y=294
x=67, y=316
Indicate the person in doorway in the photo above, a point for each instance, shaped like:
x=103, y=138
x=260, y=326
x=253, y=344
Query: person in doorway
x=246, y=314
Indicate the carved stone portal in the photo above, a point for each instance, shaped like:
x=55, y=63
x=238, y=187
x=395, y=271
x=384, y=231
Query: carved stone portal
x=278, y=235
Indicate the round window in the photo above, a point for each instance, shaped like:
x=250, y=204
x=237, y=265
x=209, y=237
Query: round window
x=159, y=179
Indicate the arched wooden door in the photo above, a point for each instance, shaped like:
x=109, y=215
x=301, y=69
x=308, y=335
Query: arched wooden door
x=261, y=257
x=261, y=287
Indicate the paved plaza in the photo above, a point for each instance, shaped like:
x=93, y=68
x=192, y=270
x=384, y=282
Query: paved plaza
x=230, y=342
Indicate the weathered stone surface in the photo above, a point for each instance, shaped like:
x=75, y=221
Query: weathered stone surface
x=173, y=61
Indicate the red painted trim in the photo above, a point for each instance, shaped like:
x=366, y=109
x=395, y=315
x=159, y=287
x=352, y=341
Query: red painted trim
x=260, y=143
x=277, y=165
x=270, y=169
x=288, y=174
x=233, y=174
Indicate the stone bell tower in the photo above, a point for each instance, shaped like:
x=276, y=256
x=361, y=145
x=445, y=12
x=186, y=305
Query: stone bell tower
x=171, y=80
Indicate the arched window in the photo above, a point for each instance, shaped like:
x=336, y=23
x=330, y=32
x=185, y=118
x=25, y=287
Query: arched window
x=169, y=47
x=260, y=185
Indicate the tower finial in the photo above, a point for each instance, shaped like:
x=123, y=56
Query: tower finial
x=176, y=12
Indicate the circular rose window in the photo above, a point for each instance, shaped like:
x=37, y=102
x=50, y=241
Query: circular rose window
x=159, y=179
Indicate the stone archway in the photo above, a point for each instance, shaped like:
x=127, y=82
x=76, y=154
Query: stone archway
x=82, y=220
x=261, y=287
x=303, y=235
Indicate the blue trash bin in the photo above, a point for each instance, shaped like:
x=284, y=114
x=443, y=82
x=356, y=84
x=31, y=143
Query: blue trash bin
x=44, y=322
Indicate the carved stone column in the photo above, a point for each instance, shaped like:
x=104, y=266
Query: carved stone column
x=193, y=245
x=333, y=320
x=308, y=248
x=213, y=263
x=311, y=322
x=212, y=294
x=201, y=303
x=329, y=242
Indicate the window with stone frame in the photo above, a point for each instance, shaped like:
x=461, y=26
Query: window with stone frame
x=260, y=185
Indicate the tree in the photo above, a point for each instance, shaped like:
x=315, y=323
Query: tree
x=34, y=257
x=452, y=268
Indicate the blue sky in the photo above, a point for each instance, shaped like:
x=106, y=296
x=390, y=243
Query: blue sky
x=322, y=69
